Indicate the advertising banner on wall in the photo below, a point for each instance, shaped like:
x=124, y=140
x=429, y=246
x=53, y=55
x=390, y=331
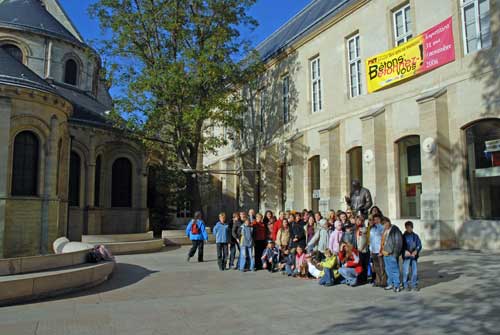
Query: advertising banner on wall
x=427, y=51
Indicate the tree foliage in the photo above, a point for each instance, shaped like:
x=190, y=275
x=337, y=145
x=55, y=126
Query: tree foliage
x=179, y=65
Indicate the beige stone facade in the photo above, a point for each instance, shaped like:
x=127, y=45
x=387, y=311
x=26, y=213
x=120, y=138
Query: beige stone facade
x=372, y=133
x=65, y=118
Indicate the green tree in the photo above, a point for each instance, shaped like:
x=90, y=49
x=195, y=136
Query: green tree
x=180, y=65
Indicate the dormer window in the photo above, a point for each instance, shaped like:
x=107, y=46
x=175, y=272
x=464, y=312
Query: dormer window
x=70, y=72
x=14, y=51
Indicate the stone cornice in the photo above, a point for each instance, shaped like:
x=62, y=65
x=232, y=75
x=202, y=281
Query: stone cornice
x=372, y=113
x=431, y=94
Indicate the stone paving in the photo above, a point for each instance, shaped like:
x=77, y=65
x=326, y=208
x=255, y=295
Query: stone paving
x=160, y=293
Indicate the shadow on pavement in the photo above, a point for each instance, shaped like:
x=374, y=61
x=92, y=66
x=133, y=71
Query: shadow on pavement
x=470, y=308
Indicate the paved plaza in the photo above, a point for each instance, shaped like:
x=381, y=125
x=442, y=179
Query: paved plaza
x=162, y=294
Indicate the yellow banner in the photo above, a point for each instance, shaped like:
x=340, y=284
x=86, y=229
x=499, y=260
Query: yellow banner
x=395, y=65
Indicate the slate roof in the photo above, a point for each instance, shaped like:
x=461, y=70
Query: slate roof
x=15, y=73
x=309, y=18
x=86, y=108
x=31, y=15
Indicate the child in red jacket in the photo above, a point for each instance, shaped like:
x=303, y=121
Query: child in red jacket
x=351, y=265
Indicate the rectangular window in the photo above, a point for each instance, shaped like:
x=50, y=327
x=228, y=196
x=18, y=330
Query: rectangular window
x=317, y=99
x=354, y=58
x=476, y=24
x=286, y=99
x=402, y=25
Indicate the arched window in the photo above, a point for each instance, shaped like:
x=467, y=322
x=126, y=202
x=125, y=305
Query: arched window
x=14, y=51
x=25, y=164
x=410, y=176
x=121, y=183
x=97, y=182
x=483, y=169
x=70, y=72
x=74, y=179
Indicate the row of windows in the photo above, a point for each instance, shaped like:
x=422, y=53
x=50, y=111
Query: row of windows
x=26, y=170
x=70, y=66
x=477, y=35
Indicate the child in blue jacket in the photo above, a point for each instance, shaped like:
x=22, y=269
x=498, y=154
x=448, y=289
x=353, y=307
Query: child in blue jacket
x=222, y=235
x=411, y=250
x=197, y=233
x=270, y=256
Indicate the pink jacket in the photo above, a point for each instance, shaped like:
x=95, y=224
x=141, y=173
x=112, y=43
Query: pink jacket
x=335, y=238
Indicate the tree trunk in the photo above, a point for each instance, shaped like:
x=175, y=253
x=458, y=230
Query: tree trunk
x=193, y=189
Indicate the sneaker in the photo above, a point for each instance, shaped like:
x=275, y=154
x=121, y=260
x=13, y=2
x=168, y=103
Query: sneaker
x=408, y=289
x=397, y=289
x=188, y=258
x=374, y=285
x=389, y=287
x=416, y=289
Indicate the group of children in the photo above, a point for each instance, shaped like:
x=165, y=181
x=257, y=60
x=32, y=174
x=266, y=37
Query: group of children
x=339, y=249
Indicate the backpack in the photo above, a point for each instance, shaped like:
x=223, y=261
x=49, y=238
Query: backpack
x=94, y=256
x=195, y=230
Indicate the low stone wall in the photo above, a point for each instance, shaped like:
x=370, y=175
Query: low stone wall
x=178, y=237
x=27, y=287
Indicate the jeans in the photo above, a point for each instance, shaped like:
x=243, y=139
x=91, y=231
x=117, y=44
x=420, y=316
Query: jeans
x=289, y=271
x=327, y=278
x=232, y=254
x=410, y=263
x=197, y=245
x=392, y=270
x=350, y=275
x=222, y=255
x=244, y=253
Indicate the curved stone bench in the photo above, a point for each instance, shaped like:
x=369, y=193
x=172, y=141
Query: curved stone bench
x=178, y=237
x=26, y=287
x=136, y=247
x=20, y=265
x=103, y=239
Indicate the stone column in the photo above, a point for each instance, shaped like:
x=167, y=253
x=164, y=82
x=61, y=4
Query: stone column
x=49, y=189
x=437, y=197
x=375, y=156
x=143, y=196
x=330, y=185
x=91, y=173
x=5, y=112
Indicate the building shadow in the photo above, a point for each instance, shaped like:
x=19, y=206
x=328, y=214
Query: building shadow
x=465, y=308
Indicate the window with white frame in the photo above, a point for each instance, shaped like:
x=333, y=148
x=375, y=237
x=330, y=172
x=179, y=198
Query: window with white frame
x=354, y=58
x=286, y=99
x=402, y=25
x=476, y=24
x=317, y=99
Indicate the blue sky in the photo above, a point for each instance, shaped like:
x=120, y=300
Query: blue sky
x=271, y=14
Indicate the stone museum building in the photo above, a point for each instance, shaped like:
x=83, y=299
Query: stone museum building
x=425, y=141
x=64, y=171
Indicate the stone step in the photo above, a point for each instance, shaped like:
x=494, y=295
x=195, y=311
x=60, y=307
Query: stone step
x=103, y=239
x=21, y=288
x=135, y=247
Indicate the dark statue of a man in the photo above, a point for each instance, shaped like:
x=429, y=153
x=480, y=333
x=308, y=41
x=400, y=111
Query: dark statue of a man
x=360, y=199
